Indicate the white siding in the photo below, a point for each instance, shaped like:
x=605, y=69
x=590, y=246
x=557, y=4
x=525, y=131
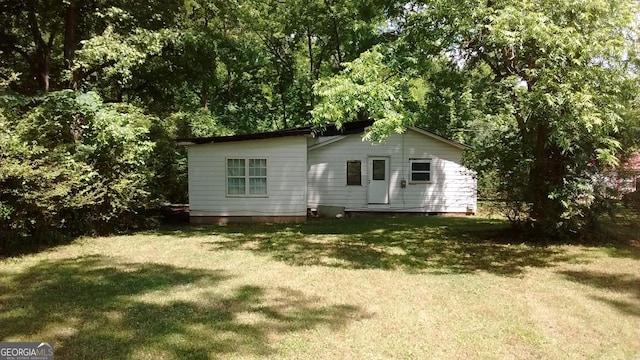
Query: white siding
x=286, y=178
x=452, y=187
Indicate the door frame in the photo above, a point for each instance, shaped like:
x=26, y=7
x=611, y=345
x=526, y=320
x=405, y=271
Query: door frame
x=387, y=161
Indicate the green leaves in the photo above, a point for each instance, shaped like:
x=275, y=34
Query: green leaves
x=572, y=61
x=545, y=90
x=72, y=163
x=542, y=89
x=367, y=87
x=117, y=55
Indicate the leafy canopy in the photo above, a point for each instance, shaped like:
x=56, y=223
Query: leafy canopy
x=546, y=91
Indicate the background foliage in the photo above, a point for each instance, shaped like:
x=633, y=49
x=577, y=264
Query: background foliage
x=93, y=94
x=72, y=163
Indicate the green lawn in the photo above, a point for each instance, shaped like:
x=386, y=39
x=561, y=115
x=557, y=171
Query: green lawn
x=363, y=288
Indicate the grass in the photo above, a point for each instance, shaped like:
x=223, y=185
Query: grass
x=360, y=288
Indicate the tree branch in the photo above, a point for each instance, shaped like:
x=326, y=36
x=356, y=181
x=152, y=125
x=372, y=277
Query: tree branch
x=8, y=41
x=51, y=38
x=33, y=25
x=336, y=34
x=97, y=68
x=80, y=75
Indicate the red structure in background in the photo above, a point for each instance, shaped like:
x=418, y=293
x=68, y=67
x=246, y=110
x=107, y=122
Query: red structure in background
x=628, y=176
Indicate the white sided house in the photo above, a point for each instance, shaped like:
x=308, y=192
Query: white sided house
x=283, y=175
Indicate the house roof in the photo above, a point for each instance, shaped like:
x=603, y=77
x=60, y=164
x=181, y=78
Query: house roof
x=441, y=138
x=256, y=136
x=354, y=127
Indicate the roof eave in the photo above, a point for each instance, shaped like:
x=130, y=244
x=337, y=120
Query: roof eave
x=246, y=137
x=441, y=138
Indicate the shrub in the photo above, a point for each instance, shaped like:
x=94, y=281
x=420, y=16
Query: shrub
x=71, y=164
x=632, y=200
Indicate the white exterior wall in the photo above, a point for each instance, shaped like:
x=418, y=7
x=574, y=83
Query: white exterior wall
x=286, y=178
x=452, y=187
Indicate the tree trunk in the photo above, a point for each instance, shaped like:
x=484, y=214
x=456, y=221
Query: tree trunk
x=338, y=51
x=310, y=64
x=44, y=71
x=70, y=25
x=284, y=109
x=336, y=34
x=229, y=85
x=538, y=174
x=42, y=53
x=204, y=95
x=547, y=175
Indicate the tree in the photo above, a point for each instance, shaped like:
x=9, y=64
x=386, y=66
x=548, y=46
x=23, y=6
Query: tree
x=70, y=163
x=548, y=92
x=368, y=87
x=60, y=44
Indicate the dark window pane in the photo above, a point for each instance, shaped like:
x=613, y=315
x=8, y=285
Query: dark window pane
x=353, y=173
x=235, y=167
x=257, y=167
x=420, y=166
x=236, y=186
x=420, y=176
x=378, y=170
x=258, y=186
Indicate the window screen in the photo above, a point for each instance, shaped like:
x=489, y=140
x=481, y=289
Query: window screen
x=420, y=170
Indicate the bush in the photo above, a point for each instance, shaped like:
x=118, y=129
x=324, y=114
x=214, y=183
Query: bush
x=71, y=164
x=632, y=200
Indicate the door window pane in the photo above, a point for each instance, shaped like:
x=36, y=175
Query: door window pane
x=378, y=170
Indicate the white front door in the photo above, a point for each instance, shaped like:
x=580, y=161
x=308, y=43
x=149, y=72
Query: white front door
x=378, y=180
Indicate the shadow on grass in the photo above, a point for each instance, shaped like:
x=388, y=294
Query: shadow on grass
x=415, y=244
x=619, y=235
x=92, y=307
x=626, y=284
x=15, y=246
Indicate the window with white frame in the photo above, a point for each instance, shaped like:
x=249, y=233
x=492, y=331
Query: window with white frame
x=420, y=170
x=246, y=177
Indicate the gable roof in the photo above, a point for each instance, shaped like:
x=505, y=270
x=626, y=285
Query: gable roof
x=441, y=138
x=349, y=128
